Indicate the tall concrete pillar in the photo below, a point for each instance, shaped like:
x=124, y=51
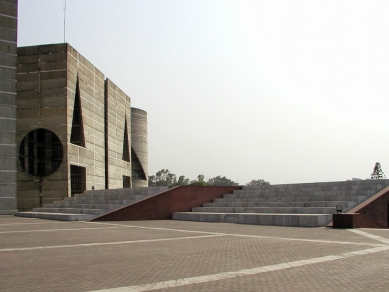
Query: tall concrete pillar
x=139, y=148
x=8, y=35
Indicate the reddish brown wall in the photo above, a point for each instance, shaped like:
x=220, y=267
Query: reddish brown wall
x=163, y=205
x=376, y=210
x=373, y=213
x=354, y=220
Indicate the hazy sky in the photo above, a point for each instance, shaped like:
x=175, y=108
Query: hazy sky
x=287, y=91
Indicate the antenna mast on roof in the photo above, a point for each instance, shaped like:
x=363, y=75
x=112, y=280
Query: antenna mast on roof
x=64, y=21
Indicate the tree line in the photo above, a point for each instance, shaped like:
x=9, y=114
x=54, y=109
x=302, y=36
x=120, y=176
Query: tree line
x=165, y=178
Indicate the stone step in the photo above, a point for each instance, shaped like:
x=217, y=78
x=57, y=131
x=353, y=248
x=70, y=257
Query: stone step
x=126, y=191
x=290, y=199
x=301, y=220
x=318, y=188
x=299, y=195
x=109, y=196
x=348, y=194
x=71, y=210
x=343, y=185
x=280, y=210
x=290, y=193
x=56, y=216
x=345, y=204
x=96, y=201
x=84, y=206
x=91, y=204
x=309, y=204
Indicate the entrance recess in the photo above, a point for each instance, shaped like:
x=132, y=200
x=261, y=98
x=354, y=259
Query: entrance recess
x=77, y=179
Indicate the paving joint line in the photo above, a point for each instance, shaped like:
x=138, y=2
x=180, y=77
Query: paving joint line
x=244, y=235
x=369, y=235
x=62, y=229
x=241, y=273
x=104, y=243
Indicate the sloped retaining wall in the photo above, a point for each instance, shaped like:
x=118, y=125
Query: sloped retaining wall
x=373, y=213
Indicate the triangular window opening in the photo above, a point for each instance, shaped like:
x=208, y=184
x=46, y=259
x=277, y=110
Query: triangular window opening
x=137, y=170
x=126, y=145
x=77, y=133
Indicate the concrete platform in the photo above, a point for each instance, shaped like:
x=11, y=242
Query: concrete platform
x=174, y=256
x=289, y=210
x=57, y=216
x=301, y=220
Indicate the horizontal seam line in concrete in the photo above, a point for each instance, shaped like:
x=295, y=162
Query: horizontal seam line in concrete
x=44, y=71
x=245, y=272
x=244, y=235
x=10, y=16
x=104, y=243
x=8, y=92
x=8, y=67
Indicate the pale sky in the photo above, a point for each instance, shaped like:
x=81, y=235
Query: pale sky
x=286, y=91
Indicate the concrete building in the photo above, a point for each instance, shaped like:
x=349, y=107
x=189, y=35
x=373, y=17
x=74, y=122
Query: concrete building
x=76, y=130
x=8, y=36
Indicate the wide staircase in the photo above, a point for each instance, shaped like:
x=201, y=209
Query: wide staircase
x=305, y=205
x=91, y=204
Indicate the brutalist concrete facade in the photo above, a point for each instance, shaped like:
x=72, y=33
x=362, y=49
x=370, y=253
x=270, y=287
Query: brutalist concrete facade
x=8, y=37
x=65, y=97
x=118, y=140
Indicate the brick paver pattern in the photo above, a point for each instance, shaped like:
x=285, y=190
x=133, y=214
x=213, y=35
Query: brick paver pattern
x=167, y=255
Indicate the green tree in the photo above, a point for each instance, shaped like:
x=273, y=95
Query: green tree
x=221, y=181
x=200, y=181
x=257, y=182
x=182, y=181
x=162, y=178
x=165, y=178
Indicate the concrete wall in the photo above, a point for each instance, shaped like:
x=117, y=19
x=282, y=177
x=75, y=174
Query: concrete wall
x=91, y=89
x=139, y=147
x=118, y=115
x=42, y=89
x=47, y=80
x=8, y=36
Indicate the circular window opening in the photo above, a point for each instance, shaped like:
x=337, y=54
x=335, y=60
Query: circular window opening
x=40, y=152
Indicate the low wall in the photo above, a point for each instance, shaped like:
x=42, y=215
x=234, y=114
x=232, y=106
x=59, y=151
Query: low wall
x=354, y=220
x=163, y=205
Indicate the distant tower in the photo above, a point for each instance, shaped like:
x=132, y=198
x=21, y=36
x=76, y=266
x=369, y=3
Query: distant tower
x=377, y=172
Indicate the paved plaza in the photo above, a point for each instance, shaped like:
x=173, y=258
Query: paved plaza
x=44, y=255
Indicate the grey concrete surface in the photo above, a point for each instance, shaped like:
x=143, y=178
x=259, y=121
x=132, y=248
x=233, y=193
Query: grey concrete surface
x=167, y=255
x=8, y=37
